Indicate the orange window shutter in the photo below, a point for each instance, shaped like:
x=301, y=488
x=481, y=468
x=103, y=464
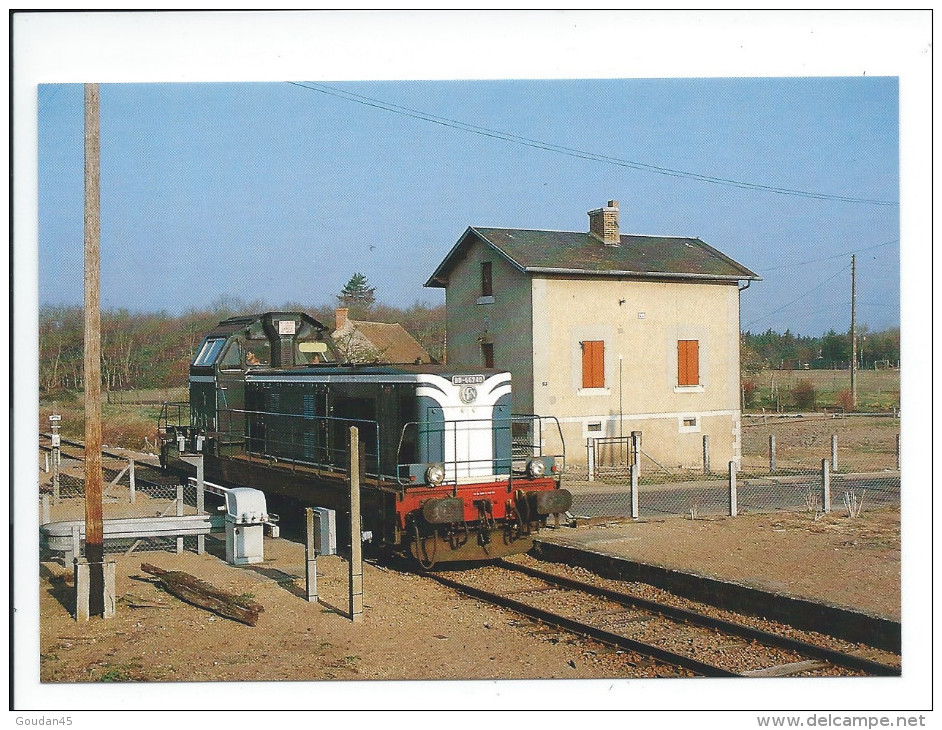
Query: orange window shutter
x=593, y=364
x=688, y=362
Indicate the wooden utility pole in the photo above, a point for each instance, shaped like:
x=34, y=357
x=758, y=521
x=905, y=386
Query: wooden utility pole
x=94, y=538
x=853, y=330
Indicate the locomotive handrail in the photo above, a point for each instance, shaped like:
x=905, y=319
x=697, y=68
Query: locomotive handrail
x=535, y=447
x=339, y=464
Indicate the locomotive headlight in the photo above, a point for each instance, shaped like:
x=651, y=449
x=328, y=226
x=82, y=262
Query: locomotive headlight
x=536, y=468
x=435, y=474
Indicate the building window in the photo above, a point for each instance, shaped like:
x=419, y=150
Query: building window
x=487, y=281
x=487, y=354
x=593, y=364
x=688, y=362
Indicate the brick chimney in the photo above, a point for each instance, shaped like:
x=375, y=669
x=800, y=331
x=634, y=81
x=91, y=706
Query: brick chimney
x=603, y=224
x=340, y=317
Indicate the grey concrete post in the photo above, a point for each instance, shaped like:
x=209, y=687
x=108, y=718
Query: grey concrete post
x=733, y=495
x=197, y=461
x=179, y=514
x=706, y=454
x=834, y=451
x=310, y=555
x=356, y=533
x=826, y=485
x=76, y=544
x=81, y=573
x=132, y=483
x=633, y=474
x=55, y=471
x=772, y=454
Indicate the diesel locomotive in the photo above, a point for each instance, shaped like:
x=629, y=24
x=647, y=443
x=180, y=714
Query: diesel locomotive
x=448, y=472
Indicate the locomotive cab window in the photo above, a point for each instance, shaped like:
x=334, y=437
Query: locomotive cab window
x=209, y=351
x=232, y=357
x=257, y=353
x=312, y=352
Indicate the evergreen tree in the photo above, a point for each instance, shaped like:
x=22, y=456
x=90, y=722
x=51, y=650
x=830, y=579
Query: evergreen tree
x=357, y=295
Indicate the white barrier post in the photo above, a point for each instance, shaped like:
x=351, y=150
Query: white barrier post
x=310, y=554
x=633, y=472
x=733, y=496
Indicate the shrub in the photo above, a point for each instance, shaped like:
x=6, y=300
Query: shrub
x=804, y=395
x=749, y=389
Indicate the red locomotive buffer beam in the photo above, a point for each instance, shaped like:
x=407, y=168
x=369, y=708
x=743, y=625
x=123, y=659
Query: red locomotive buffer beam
x=480, y=522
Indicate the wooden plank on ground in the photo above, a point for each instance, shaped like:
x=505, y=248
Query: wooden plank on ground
x=204, y=595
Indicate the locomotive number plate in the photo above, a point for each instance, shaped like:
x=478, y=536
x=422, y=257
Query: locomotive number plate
x=467, y=379
x=286, y=327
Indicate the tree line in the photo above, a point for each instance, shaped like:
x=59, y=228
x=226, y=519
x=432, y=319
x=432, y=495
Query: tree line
x=771, y=350
x=153, y=349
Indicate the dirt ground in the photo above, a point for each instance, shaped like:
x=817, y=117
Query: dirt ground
x=413, y=628
x=852, y=563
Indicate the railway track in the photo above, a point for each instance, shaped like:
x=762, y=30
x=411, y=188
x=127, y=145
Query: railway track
x=147, y=467
x=698, y=643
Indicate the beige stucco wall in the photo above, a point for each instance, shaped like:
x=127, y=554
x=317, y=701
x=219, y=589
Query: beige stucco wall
x=536, y=325
x=640, y=323
x=505, y=320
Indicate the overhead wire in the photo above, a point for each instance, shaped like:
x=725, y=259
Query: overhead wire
x=828, y=258
x=573, y=152
x=798, y=298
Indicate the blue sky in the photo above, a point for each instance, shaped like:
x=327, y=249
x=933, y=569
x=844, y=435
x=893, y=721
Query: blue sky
x=279, y=192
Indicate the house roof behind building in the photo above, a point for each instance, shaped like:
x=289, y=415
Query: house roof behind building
x=580, y=254
x=393, y=343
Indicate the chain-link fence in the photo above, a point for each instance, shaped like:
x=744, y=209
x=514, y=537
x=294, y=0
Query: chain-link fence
x=144, y=508
x=818, y=462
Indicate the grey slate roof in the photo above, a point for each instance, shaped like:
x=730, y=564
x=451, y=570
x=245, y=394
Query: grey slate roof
x=579, y=254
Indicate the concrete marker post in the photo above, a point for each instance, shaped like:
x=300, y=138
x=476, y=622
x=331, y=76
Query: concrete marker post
x=633, y=474
x=826, y=486
x=733, y=495
x=180, y=514
x=356, y=534
x=310, y=555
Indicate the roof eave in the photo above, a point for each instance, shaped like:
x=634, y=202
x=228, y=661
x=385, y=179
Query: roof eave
x=439, y=278
x=641, y=274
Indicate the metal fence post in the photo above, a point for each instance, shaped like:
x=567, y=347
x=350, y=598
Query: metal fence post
x=636, y=452
x=771, y=453
x=733, y=496
x=633, y=480
x=826, y=485
x=706, y=454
